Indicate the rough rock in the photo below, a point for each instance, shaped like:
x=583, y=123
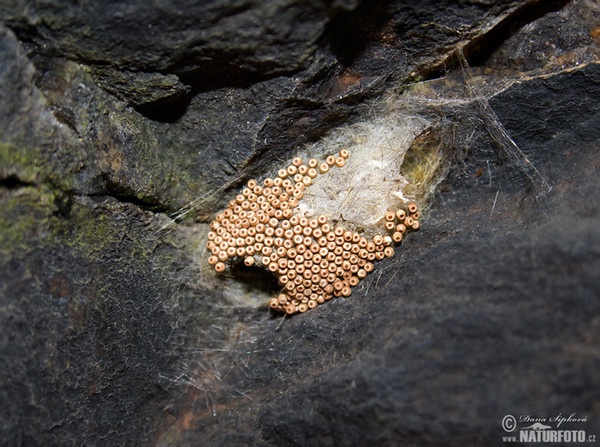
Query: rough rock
x=112, y=334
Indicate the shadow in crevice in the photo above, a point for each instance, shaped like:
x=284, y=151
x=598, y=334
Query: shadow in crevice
x=167, y=111
x=12, y=181
x=350, y=33
x=479, y=50
x=255, y=278
x=203, y=80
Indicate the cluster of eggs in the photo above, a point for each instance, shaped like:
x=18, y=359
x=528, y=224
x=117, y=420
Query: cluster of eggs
x=313, y=260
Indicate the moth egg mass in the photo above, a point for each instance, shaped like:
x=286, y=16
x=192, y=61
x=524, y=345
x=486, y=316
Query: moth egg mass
x=322, y=220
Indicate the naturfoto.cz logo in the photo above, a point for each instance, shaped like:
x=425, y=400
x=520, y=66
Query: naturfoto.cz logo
x=553, y=429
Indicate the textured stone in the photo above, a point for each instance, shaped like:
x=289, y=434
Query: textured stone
x=206, y=119
x=211, y=39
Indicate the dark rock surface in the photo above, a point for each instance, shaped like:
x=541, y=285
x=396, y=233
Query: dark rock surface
x=113, y=115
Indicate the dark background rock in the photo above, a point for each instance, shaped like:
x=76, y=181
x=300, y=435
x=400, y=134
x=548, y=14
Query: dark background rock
x=112, y=115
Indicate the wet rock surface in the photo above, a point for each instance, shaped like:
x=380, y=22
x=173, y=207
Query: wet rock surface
x=111, y=117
